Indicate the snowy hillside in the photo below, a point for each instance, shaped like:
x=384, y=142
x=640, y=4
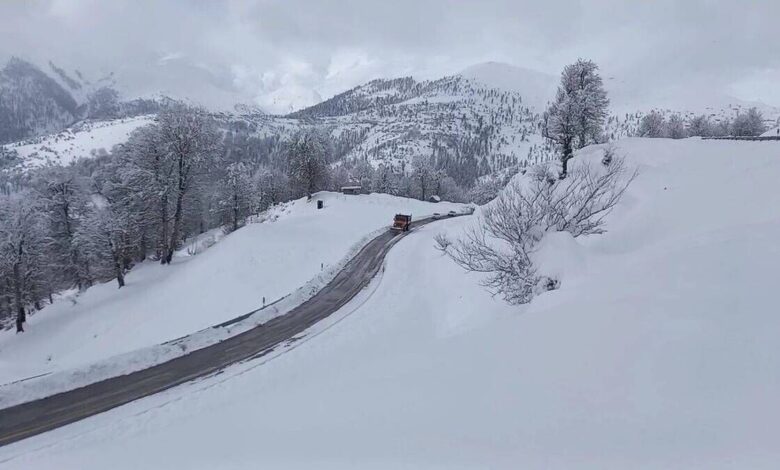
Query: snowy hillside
x=472, y=124
x=44, y=98
x=86, y=139
x=31, y=102
x=484, y=120
x=454, y=119
x=658, y=351
x=79, y=86
x=263, y=260
x=537, y=88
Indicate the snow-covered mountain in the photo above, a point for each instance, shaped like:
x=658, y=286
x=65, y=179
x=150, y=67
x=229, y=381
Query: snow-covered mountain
x=482, y=120
x=461, y=120
x=37, y=99
x=32, y=103
x=466, y=122
x=75, y=82
x=171, y=77
x=537, y=88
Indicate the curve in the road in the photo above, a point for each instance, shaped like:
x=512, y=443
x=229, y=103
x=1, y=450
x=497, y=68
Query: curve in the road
x=35, y=417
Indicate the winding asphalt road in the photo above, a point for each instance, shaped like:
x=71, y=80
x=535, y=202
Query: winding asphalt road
x=28, y=419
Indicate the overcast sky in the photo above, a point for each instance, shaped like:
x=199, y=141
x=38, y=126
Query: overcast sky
x=291, y=53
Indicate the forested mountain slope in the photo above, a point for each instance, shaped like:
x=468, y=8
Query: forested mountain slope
x=32, y=103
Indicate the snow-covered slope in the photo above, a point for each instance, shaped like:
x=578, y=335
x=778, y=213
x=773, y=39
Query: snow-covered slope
x=658, y=351
x=472, y=125
x=31, y=102
x=537, y=88
x=773, y=132
x=160, y=303
x=170, y=76
x=83, y=140
x=78, y=85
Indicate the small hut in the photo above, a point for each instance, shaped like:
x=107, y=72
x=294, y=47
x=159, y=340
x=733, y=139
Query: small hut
x=351, y=189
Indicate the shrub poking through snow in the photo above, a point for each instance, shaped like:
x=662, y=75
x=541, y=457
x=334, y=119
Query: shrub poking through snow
x=609, y=155
x=510, y=227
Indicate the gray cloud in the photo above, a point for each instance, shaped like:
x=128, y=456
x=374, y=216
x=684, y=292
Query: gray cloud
x=283, y=53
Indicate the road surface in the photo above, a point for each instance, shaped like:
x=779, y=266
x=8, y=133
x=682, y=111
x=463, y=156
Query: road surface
x=28, y=419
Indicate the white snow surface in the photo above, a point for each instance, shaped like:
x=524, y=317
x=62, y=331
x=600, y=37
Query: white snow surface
x=83, y=140
x=658, y=351
x=296, y=243
x=773, y=132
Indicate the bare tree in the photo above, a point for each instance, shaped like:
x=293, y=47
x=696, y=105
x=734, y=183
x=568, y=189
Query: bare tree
x=307, y=156
x=675, y=127
x=21, y=251
x=423, y=175
x=189, y=138
x=63, y=202
x=271, y=186
x=105, y=232
x=700, y=126
x=385, y=180
x=236, y=196
x=576, y=117
x=750, y=123
x=511, y=226
x=652, y=124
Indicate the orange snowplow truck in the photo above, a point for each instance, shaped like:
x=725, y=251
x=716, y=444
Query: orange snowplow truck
x=402, y=222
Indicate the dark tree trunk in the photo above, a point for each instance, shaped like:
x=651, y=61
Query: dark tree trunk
x=567, y=155
x=177, y=218
x=21, y=316
x=9, y=303
x=120, y=275
x=235, y=212
x=88, y=274
x=140, y=254
x=164, y=228
x=20, y=319
x=5, y=307
x=177, y=214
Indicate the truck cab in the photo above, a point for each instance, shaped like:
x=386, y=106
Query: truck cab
x=402, y=222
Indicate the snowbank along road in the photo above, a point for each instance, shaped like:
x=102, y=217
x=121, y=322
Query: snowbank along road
x=35, y=417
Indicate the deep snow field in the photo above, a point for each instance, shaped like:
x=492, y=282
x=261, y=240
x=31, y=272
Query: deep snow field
x=161, y=303
x=660, y=349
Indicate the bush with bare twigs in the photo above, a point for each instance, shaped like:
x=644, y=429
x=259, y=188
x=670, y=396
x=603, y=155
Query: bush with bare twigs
x=502, y=243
